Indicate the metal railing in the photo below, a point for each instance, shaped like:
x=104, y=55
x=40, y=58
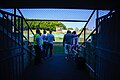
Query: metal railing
x=28, y=27
x=12, y=50
x=107, y=52
x=88, y=49
x=13, y=38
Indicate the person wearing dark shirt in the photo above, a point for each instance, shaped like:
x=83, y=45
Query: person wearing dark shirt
x=67, y=43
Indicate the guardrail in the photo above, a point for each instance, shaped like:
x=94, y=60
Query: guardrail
x=13, y=52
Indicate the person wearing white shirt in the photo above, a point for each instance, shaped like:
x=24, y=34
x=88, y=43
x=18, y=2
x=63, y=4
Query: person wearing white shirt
x=50, y=39
x=44, y=37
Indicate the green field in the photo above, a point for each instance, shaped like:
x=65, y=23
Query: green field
x=58, y=49
x=57, y=39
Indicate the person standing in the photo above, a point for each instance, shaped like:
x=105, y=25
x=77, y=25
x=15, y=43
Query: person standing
x=67, y=43
x=75, y=41
x=38, y=46
x=50, y=39
x=44, y=37
x=74, y=44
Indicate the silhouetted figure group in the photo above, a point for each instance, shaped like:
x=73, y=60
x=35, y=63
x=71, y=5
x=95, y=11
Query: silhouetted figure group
x=42, y=44
x=70, y=41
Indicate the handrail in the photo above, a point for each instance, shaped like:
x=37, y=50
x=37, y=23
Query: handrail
x=110, y=13
x=98, y=19
x=25, y=20
x=28, y=51
x=87, y=22
x=91, y=34
x=12, y=23
x=19, y=17
x=9, y=13
x=89, y=18
x=85, y=27
x=88, y=37
x=28, y=28
x=3, y=13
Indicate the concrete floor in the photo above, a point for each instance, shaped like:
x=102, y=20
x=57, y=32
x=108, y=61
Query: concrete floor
x=55, y=68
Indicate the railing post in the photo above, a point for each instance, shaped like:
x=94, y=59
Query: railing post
x=84, y=42
x=11, y=26
x=7, y=28
x=97, y=15
x=15, y=23
x=3, y=34
x=18, y=30
x=97, y=25
x=22, y=45
x=28, y=34
x=25, y=20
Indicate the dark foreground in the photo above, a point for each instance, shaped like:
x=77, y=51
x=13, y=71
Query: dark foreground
x=55, y=68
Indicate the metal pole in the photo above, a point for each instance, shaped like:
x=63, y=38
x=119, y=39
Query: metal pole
x=84, y=42
x=97, y=16
x=22, y=45
x=15, y=23
x=28, y=33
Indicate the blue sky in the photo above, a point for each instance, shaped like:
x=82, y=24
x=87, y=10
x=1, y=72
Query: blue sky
x=59, y=14
x=62, y=14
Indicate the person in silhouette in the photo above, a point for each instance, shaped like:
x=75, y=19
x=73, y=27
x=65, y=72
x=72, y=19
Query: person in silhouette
x=38, y=46
x=50, y=39
x=74, y=44
x=44, y=37
x=67, y=43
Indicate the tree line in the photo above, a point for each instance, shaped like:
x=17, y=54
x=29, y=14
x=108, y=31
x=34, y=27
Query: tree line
x=48, y=25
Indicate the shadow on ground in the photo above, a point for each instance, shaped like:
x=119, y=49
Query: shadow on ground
x=55, y=68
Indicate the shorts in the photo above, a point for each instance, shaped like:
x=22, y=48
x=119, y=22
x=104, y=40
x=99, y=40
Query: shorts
x=67, y=48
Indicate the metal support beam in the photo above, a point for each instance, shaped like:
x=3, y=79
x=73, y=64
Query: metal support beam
x=87, y=22
x=15, y=23
x=97, y=15
x=57, y=20
x=25, y=20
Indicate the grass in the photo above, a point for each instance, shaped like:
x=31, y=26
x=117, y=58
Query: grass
x=57, y=39
x=58, y=49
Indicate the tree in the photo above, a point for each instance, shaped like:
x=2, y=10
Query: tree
x=70, y=28
x=85, y=28
x=76, y=29
x=48, y=25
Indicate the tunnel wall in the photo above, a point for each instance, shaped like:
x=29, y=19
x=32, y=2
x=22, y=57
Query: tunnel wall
x=107, y=55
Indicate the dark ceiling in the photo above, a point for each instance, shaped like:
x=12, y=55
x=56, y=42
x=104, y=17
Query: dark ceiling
x=72, y=4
